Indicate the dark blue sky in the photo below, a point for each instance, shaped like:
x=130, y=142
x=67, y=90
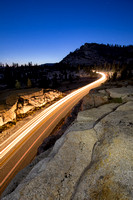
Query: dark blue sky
x=44, y=31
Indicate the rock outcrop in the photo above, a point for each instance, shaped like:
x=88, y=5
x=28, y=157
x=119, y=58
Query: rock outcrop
x=92, y=160
x=98, y=54
x=13, y=103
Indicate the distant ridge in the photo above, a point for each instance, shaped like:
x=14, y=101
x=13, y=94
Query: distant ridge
x=48, y=64
x=99, y=54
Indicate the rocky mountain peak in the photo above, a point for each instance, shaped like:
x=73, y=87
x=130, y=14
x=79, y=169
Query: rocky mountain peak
x=98, y=54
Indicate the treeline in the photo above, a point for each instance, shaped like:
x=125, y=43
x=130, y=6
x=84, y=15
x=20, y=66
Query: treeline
x=19, y=76
x=52, y=76
x=44, y=76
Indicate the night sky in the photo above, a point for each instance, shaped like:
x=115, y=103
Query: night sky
x=45, y=31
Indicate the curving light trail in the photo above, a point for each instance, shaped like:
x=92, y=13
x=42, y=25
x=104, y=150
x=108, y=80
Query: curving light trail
x=12, y=145
x=22, y=132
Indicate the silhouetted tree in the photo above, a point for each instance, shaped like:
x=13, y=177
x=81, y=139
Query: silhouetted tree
x=17, y=85
x=29, y=83
x=114, y=77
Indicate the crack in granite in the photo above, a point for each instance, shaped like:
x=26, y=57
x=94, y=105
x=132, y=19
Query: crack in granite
x=99, y=142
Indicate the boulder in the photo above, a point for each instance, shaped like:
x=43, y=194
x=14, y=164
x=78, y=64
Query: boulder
x=126, y=93
x=1, y=120
x=29, y=93
x=94, y=99
x=94, y=114
x=10, y=114
x=24, y=109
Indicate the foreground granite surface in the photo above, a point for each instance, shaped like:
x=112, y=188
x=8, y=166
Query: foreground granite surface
x=92, y=160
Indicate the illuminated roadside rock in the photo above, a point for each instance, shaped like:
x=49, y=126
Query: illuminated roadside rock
x=9, y=115
x=18, y=102
x=1, y=120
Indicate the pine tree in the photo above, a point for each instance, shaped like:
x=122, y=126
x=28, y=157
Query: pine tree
x=17, y=85
x=29, y=83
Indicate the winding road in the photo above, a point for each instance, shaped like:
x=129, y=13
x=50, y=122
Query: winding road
x=20, y=148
